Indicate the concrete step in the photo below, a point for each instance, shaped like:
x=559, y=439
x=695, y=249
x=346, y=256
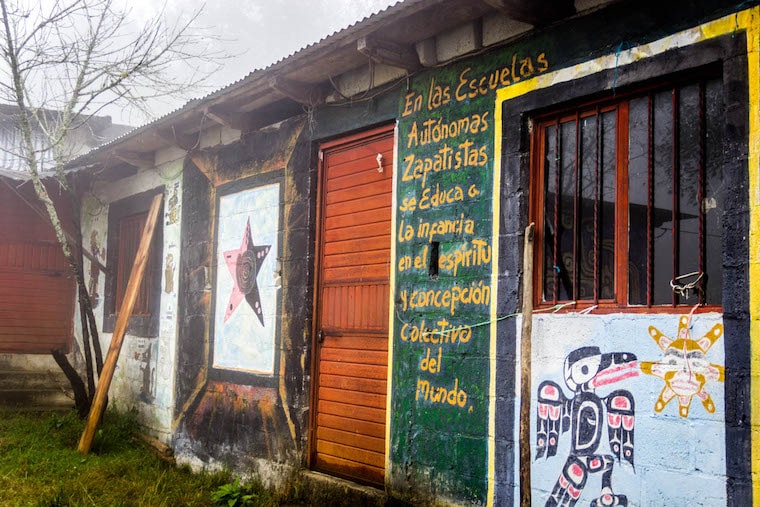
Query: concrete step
x=36, y=399
x=23, y=379
x=35, y=390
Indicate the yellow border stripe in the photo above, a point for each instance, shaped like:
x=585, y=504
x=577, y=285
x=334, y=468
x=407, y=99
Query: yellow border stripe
x=747, y=21
x=494, y=284
x=392, y=310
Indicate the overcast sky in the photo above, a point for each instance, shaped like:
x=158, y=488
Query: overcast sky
x=255, y=33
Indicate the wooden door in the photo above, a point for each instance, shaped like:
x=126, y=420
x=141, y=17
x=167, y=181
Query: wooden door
x=348, y=437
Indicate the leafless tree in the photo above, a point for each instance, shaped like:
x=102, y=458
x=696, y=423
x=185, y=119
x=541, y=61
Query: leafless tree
x=62, y=62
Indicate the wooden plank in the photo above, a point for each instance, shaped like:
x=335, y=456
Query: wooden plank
x=353, y=383
x=12, y=340
x=369, y=190
x=366, y=273
x=120, y=328
x=359, y=218
x=364, y=456
x=367, y=154
x=525, y=359
x=31, y=321
x=358, y=233
x=351, y=439
x=354, y=370
x=52, y=313
x=358, y=342
x=363, y=177
x=354, y=356
x=352, y=425
x=375, y=202
x=349, y=469
x=356, y=259
x=22, y=277
x=36, y=331
x=356, y=398
x=352, y=246
x=351, y=411
x=64, y=345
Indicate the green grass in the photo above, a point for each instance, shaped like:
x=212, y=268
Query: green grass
x=39, y=466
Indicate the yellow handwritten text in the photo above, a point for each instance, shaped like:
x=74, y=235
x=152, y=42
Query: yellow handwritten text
x=432, y=364
x=470, y=87
x=457, y=226
x=445, y=159
x=443, y=333
x=477, y=253
x=406, y=262
x=432, y=198
x=436, y=130
x=412, y=104
x=474, y=294
x=438, y=95
x=437, y=394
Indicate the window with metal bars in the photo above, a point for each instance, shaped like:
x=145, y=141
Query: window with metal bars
x=130, y=233
x=628, y=198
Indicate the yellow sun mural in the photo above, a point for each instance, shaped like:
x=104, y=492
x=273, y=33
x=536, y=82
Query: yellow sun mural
x=684, y=367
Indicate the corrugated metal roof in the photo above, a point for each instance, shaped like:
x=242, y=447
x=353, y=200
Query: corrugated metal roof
x=308, y=51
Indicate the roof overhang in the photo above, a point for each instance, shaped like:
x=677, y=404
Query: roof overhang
x=395, y=36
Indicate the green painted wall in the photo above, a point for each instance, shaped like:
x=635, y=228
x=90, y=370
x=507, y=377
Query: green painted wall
x=441, y=340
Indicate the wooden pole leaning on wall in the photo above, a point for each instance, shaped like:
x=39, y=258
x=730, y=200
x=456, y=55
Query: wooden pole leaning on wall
x=525, y=366
x=120, y=328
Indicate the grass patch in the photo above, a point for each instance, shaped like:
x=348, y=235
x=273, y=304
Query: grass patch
x=39, y=466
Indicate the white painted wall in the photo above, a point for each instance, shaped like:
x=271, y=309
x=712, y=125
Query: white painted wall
x=155, y=406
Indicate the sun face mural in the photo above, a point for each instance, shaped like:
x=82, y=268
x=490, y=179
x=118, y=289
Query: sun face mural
x=684, y=367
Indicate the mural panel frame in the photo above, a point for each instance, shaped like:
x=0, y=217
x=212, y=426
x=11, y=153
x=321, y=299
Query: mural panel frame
x=241, y=293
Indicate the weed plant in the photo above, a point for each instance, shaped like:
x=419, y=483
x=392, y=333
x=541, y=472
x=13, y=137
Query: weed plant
x=40, y=466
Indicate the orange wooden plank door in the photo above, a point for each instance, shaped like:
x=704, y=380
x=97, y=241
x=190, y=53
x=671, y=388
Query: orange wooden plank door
x=348, y=437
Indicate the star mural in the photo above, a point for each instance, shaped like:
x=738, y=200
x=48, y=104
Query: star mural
x=244, y=264
x=684, y=367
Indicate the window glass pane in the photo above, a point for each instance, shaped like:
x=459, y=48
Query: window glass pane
x=550, y=217
x=587, y=209
x=713, y=197
x=688, y=187
x=566, y=254
x=608, y=172
x=638, y=199
x=662, y=214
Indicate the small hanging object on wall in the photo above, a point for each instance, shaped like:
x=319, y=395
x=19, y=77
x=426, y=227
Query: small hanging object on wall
x=379, y=162
x=683, y=289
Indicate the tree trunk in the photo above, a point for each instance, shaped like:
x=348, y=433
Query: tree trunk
x=81, y=399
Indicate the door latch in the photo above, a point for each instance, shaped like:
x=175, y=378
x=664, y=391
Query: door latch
x=320, y=336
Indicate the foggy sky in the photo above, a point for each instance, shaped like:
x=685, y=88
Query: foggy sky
x=254, y=33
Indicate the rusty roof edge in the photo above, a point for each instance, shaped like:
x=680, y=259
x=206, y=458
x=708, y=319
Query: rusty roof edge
x=351, y=33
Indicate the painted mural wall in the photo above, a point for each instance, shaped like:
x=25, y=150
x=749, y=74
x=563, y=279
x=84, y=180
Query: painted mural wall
x=144, y=375
x=463, y=131
x=243, y=359
x=445, y=258
x=628, y=409
x=633, y=408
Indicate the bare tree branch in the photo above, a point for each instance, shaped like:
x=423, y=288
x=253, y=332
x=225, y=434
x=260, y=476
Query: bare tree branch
x=63, y=61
